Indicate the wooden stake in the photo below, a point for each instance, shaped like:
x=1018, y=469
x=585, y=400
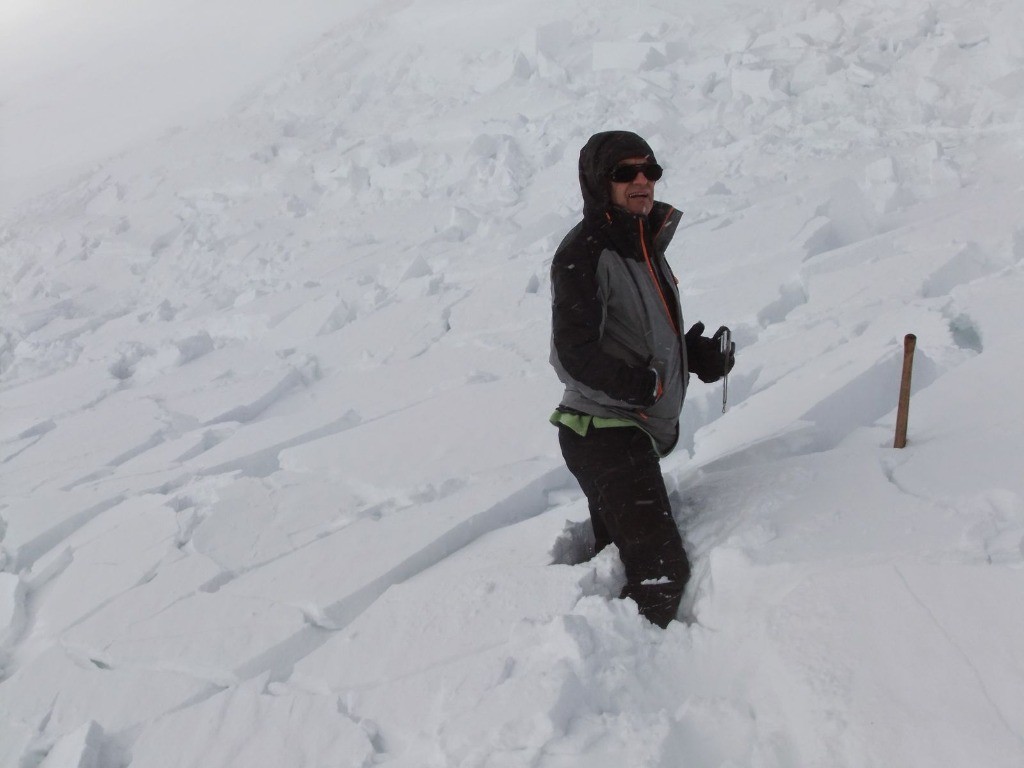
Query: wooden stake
x=903, y=411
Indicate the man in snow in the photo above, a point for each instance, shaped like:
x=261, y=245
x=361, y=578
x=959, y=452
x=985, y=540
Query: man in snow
x=617, y=345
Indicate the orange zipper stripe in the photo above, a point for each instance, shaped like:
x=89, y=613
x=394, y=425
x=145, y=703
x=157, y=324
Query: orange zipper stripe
x=654, y=278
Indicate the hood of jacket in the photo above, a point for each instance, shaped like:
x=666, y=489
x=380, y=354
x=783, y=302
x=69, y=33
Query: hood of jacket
x=602, y=152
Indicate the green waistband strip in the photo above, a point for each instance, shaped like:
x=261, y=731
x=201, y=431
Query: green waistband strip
x=580, y=423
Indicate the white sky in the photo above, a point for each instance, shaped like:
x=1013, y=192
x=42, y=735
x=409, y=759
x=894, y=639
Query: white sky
x=161, y=65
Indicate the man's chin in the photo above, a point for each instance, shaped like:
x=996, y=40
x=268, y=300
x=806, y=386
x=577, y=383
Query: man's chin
x=640, y=206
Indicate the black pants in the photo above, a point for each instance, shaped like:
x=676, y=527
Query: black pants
x=619, y=472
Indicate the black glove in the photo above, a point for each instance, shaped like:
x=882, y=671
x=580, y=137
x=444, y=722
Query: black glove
x=651, y=390
x=705, y=356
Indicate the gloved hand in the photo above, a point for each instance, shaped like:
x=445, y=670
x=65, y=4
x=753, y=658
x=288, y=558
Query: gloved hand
x=705, y=356
x=651, y=392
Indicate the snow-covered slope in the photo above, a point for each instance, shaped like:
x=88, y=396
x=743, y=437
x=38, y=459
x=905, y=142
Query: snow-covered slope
x=277, y=482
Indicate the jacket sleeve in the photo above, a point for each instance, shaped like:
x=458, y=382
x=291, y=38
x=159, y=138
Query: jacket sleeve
x=577, y=322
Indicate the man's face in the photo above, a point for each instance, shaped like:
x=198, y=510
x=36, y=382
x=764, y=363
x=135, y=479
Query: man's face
x=636, y=196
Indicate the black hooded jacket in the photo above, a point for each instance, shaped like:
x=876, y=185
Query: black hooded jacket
x=615, y=306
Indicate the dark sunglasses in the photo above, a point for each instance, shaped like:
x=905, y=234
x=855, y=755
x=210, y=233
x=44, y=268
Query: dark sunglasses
x=623, y=174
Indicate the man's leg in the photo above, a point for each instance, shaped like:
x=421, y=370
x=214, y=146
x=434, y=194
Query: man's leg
x=619, y=472
x=601, y=536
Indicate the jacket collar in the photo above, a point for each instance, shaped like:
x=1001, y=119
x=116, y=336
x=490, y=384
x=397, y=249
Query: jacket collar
x=660, y=223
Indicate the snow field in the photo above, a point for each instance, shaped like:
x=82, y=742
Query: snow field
x=277, y=483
